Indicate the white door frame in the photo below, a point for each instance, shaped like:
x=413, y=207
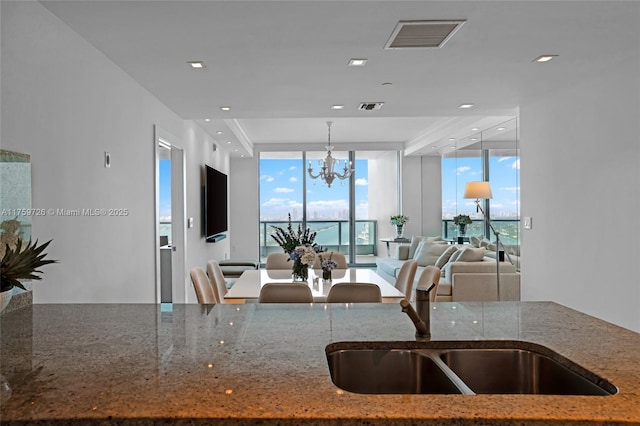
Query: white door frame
x=178, y=216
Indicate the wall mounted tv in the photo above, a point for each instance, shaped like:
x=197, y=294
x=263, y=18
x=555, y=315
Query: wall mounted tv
x=215, y=204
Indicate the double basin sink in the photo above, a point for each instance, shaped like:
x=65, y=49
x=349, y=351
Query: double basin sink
x=459, y=367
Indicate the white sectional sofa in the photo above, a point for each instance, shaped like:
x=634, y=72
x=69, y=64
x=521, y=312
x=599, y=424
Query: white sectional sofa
x=466, y=280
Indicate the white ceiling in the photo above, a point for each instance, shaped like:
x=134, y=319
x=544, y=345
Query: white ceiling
x=280, y=65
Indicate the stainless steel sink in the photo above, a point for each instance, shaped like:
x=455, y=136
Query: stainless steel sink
x=517, y=371
x=459, y=367
x=388, y=371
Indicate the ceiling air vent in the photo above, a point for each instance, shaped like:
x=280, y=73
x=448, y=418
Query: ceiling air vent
x=422, y=34
x=370, y=106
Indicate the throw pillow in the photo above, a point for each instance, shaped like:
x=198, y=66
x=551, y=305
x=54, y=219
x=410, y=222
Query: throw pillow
x=474, y=241
x=428, y=252
x=471, y=254
x=454, y=257
x=444, y=257
x=415, y=240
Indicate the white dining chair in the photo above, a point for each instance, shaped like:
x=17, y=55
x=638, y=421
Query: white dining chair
x=217, y=279
x=430, y=275
x=406, y=275
x=204, y=290
x=354, y=293
x=285, y=293
x=278, y=261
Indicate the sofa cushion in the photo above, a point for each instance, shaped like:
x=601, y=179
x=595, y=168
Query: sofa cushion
x=428, y=252
x=390, y=266
x=471, y=254
x=444, y=257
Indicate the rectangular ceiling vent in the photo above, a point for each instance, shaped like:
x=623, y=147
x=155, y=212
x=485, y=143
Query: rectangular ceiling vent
x=422, y=34
x=370, y=106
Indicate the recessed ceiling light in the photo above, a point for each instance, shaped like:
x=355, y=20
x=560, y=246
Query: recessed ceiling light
x=452, y=147
x=207, y=120
x=235, y=150
x=500, y=129
x=475, y=129
x=219, y=132
x=196, y=64
x=225, y=108
x=228, y=142
x=544, y=58
x=433, y=146
x=452, y=139
x=474, y=139
x=337, y=106
x=466, y=106
x=354, y=62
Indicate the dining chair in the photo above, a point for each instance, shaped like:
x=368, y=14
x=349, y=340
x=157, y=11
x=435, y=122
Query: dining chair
x=339, y=258
x=285, y=293
x=404, y=281
x=278, y=261
x=204, y=290
x=354, y=293
x=216, y=277
x=430, y=275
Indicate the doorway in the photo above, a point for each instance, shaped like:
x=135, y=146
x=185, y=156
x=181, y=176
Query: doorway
x=170, y=222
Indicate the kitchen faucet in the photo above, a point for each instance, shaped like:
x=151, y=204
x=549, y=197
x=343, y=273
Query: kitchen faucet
x=421, y=319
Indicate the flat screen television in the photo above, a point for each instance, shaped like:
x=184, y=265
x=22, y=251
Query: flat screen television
x=215, y=204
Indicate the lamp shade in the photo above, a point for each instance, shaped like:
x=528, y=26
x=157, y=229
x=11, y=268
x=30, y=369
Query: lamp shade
x=479, y=189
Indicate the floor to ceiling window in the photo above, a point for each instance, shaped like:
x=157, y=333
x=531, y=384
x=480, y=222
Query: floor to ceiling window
x=493, y=155
x=343, y=215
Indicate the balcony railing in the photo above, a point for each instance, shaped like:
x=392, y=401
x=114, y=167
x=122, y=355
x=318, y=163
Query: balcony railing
x=509, y=229
x=331, y=234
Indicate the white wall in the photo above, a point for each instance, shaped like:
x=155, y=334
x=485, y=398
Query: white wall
x=65, y=103
x=580, y=174
x=245, y=212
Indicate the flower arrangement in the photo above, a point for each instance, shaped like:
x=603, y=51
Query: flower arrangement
x=399, y=220
x=329, y=264
x=289, y=239
x=305, y=254
x=462, y=219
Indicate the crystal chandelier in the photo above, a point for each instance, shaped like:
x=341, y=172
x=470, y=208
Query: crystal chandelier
x=326, y=166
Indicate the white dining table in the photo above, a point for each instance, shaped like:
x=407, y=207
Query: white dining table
x=247, y=286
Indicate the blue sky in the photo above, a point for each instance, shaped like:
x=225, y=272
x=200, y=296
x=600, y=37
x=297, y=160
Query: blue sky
x=281, y=191
x=505, y=185
x=165, y=188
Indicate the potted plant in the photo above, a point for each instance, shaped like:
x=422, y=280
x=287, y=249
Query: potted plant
x=399, y=220
x=462, y=220
x=21, y=263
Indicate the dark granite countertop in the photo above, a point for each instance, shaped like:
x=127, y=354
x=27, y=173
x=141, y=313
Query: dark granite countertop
x=248, y=364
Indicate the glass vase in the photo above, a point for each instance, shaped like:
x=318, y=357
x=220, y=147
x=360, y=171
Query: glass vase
x=300, y=271
x=399, y=231
x=326, y=275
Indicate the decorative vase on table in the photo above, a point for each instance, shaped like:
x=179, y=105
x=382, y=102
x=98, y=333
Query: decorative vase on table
x=300, y=271
x=462, y=229
x=326, y=275
x=399, y=231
